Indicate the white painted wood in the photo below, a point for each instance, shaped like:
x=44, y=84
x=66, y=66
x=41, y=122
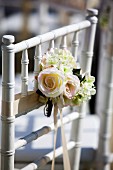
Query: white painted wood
x=47, y=167
x=48, y=157
x=87, y=54
x=51, y=44
x=46, y=129
x=24, y=73
x=85, y=63
x=37, y=59
x=106, y=115
x=75, y=44
x=51, y=35
x=8, y=88
x=7, y=118
x=63, y=43
x=105, y=107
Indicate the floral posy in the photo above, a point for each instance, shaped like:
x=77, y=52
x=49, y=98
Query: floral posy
x=61, y=82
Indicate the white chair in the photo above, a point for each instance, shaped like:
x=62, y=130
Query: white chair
x=15, y=105
x=105, y=97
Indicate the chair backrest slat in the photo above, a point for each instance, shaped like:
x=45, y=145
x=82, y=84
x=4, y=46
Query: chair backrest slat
x=63, y=43
x=87, y=56
x=75, y=44
x=51, y=44
x=24, y=73
x=37, y=59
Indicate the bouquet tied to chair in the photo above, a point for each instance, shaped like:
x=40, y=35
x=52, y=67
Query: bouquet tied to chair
x=62, y=83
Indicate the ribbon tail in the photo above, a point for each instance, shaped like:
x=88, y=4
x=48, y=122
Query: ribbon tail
x=64, y=145
x=55, y=135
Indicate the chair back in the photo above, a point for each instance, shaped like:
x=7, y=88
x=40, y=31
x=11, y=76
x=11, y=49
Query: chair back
x=15, y=105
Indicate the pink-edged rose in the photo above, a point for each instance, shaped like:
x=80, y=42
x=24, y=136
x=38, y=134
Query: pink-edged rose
x=51, y=82
x=72, y=86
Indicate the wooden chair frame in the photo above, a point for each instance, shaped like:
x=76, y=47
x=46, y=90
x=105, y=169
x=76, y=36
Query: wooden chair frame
x=14, y=106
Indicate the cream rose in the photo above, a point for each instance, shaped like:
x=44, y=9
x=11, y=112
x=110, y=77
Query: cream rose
x=51, y=82
x=71, y=87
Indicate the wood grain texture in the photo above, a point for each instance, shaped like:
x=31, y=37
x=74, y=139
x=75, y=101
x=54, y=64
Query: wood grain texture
x=26, y=104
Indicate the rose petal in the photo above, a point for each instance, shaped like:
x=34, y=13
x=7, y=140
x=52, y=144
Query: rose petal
x=51, y=82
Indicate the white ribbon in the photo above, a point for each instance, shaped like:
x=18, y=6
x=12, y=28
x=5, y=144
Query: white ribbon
x=66, y=161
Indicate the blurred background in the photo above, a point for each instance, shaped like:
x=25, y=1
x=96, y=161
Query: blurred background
x=27, y=18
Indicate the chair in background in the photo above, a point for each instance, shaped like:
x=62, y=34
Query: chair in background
x=15, y=105
x=105, y=95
